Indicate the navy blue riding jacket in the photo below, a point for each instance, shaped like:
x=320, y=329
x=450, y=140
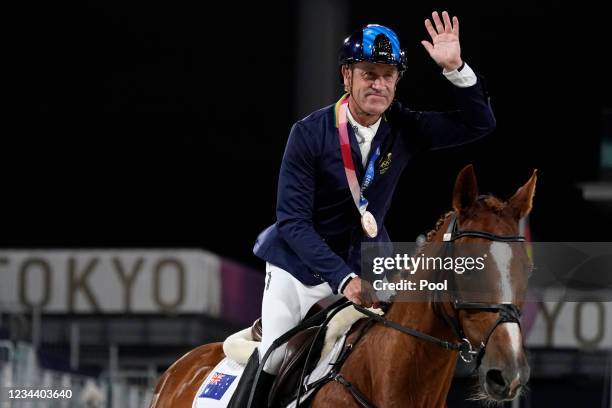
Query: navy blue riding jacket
x=317, y=235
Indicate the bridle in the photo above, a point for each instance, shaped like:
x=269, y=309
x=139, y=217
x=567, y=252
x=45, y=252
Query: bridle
x=508, y=312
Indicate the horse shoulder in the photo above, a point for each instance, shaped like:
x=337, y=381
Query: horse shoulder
x=180, y=382
x=333, y=395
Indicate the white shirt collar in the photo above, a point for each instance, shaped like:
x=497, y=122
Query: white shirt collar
x=363, y=130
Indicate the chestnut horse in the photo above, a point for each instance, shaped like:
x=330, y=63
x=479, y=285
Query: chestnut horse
x=391, y=368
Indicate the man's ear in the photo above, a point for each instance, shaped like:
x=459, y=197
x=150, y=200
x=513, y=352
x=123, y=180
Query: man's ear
x=347, y=77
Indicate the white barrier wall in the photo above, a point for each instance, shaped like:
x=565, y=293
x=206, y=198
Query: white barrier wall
x=582, y=325
x=111, y=281
x=189, y=281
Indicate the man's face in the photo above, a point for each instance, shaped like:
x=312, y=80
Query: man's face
x=372, y=86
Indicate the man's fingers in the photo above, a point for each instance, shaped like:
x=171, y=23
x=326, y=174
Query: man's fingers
x=371, y=302
x=447, y=22
x=438, y=22
x=428, y=46
x=363, y=295
x=456, y=26
x=370, y=299
x=370, y=296
x=430, y=29
x=355, y=299
x=375, y=300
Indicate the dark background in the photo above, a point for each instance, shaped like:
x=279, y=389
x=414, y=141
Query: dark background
x=157, y=125
x=163, y=125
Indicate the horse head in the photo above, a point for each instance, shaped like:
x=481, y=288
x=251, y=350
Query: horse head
x=484, y=307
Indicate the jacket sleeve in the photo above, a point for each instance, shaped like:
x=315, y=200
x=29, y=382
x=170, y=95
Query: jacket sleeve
x=294, y=209
x=472, y=120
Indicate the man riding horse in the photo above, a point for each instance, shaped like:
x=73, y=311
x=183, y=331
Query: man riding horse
x=339, y=172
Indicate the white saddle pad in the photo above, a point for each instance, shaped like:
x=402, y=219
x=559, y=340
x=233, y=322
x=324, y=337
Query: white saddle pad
x=220, y=384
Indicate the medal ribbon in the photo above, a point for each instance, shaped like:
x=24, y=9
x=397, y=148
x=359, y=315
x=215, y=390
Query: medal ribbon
x=349, y=167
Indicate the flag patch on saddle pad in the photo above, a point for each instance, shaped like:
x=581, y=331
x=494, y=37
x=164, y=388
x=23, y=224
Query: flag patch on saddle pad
x=217, y=385
x=217, y=389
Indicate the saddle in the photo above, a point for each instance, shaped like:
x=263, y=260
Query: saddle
x=298, y=348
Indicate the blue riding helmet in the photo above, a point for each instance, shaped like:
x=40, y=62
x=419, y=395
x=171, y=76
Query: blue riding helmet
x=374, y=43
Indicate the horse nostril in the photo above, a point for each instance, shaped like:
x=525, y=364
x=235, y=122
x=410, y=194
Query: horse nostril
x=495, y=378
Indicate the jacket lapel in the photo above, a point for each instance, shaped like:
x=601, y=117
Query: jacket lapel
x=381, y=136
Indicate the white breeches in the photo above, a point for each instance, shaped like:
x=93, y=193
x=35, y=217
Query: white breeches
x=286, y=301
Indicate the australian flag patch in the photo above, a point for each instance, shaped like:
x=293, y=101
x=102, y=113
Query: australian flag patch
x=217, y=385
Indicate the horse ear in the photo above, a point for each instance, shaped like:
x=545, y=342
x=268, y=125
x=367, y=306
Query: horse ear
x=466, y=189
x=521, y=202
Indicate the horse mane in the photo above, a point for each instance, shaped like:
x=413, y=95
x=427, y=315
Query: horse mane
x=429, y=236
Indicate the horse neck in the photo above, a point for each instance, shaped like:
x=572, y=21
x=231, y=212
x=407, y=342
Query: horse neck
x=410, y=369
x=423, y=314
x=436, y=365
